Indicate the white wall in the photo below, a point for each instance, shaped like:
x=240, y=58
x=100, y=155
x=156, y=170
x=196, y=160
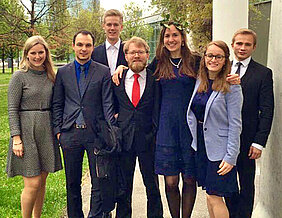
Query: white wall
x=270, y=187
x=229, y=16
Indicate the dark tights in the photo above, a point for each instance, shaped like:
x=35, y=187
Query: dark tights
x=173, y=196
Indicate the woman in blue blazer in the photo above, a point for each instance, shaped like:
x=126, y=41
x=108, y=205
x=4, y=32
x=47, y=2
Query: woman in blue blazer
x=214, y=119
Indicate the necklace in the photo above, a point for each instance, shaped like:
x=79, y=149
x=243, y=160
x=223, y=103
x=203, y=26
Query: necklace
x=176, y=65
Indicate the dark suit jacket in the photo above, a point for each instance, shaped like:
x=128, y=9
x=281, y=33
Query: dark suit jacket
x=96, y=102
x=139, y=125
x=258, y=105
x=100, y=55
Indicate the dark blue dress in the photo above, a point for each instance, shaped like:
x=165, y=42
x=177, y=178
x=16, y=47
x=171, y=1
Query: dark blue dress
x=206, y=170
x=174, y=154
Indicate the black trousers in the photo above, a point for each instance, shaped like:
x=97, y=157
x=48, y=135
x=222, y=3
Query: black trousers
x=241, y=204
x=150, y=180
x=74, y=144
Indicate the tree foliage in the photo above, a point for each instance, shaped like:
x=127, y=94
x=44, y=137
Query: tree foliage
x=194, y=15
x=133, y=24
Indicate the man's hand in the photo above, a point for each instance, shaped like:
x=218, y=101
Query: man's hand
x=58, y=136
x=254, y=153
x=118, y=74
x=233, y=79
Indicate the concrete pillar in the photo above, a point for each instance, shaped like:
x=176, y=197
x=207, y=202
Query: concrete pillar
x=229, y=16
x=270, y=186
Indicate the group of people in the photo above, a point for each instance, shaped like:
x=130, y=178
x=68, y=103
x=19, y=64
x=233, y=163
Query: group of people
x=183, y=116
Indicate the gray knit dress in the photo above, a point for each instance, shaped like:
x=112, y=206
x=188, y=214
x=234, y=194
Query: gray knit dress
x=29, y=103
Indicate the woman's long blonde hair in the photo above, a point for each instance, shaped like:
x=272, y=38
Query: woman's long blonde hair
x=48, y=64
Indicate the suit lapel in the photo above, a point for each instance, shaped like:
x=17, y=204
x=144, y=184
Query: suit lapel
x=209, y=103
x=248, y=74
x=73, y=78
x=120, y=51
x=88, y=77
x=123, y=91
x=148, y=86
x=105, y=54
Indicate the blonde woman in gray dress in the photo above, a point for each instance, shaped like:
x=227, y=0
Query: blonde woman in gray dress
x=32, y=151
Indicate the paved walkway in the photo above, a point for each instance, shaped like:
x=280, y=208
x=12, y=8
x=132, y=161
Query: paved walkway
x=139, y=198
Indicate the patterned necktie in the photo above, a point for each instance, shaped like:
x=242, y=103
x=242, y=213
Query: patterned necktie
x=81, y=84
x=238, y=69
x=135, y=90
x=82, y=80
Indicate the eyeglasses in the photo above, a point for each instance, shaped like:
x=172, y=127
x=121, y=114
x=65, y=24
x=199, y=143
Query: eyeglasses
x=133, y=53
x=217, y=57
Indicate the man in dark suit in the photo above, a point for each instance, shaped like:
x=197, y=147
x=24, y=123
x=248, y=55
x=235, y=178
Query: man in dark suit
x=136, y=102
x=110, y=53
x=257, y=115
x=82, y=97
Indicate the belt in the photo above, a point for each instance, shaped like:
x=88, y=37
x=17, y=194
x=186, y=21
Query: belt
x=82, y=126
x=42, y=109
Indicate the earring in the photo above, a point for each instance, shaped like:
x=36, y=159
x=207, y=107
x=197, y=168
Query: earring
x=182, y=44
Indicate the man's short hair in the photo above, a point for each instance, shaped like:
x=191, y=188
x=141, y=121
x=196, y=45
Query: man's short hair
x=84, y=32
x=113, y=12
x=245, y=31
x=138, y=41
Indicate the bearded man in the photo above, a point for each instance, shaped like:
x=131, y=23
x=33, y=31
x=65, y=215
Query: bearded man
x=137, y=105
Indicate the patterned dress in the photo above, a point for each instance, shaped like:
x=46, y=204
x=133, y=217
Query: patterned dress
x=174, y=154
x=29, y=103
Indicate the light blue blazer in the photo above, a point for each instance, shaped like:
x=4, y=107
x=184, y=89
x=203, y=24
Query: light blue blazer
x=222, y=124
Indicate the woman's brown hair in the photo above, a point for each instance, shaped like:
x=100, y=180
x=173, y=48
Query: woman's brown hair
x=219, y=84
x=164, y=68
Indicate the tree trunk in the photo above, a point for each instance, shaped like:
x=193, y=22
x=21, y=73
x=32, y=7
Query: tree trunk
x=3, y=59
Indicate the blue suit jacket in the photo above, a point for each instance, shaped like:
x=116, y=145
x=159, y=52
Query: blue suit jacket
x=100, y=55
x=222, y=124
x=96, y=103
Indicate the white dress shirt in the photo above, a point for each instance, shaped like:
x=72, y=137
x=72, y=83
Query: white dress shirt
x=243, y=69
x=129, y=79
x=112, y=55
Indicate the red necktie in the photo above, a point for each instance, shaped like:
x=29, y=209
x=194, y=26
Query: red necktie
x=135, y=90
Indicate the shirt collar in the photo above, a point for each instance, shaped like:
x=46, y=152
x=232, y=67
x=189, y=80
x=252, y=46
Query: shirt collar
x=108, y=45
x=244, y=62
x=86, y=65
x=142, y=74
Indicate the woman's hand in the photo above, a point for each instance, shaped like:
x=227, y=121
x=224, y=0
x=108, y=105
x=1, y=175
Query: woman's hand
x=18, y=146
x=224, y=168
x=233, y=79
x=118, y=74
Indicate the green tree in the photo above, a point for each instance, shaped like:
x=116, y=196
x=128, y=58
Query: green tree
x=90, y=19
x=134, y=24
x=194, y=15
x=12, y=31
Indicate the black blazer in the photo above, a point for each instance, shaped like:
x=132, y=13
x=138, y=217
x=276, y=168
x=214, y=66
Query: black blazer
x=258, y=105
x=95, y=103
x=138, y=125
x=100, y=55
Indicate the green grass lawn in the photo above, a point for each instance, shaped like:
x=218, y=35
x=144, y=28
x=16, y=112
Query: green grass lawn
x=10, y=189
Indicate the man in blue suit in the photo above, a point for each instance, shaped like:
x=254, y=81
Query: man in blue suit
x=82, y=97
x=110, y=53
x=257, y=115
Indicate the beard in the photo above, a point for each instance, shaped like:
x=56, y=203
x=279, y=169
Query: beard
x=137, y=67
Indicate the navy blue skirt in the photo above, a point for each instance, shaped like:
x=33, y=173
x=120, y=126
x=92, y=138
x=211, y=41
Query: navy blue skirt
x=206, y=172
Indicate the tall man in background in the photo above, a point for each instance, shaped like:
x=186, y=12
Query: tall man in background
x=110, y=53
x=257, y=115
